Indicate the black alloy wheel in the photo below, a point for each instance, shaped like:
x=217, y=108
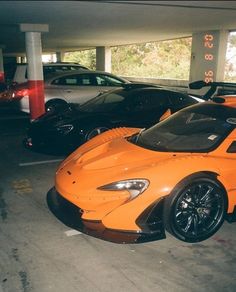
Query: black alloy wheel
x=197, y=210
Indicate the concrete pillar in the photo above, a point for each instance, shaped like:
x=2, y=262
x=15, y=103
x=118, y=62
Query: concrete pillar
x=35, y=68
x=208, y=56
x=2, y=75
x=60, y=56
x=103, y=59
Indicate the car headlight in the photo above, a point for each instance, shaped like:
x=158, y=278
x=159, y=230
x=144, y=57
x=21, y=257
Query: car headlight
x=65, y=129
x=134, y=186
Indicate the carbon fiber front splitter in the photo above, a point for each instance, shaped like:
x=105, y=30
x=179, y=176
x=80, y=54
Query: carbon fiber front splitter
x=70, y=215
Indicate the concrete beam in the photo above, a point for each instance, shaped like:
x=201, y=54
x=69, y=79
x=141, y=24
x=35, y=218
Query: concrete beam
x=32, y=27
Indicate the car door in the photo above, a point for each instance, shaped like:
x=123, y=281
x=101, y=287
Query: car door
x=230, y=162
x=144, y=108
x=74, y=88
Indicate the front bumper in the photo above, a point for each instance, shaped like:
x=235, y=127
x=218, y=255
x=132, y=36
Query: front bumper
x=70, y=215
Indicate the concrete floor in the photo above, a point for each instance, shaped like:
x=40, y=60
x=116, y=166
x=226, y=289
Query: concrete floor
x=39, y=253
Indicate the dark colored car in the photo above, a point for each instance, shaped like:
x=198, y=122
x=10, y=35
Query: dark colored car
x=134, y=105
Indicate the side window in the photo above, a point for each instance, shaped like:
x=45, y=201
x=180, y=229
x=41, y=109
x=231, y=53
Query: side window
x=86, y=80
x=68, y=80
x=155, y=99
x=232, y=148
x=147, y=101
x=75, y=80
x=105, y=80
x=179, y=99
x=139, y=103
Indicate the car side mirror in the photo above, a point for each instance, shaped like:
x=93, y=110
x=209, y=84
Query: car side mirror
x=166, y=114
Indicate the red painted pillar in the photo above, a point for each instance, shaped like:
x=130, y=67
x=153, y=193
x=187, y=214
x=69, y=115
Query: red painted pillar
x=2, y=76
x=35, y=68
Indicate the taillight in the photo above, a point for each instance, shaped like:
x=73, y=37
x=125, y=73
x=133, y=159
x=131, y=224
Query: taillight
x=20, y=93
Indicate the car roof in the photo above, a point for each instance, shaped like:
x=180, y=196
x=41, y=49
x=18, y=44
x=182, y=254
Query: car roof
x=81, y=71
x=55, y=64
x=136, y=87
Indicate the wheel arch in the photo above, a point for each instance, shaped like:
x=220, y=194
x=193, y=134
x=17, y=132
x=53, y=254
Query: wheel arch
x=170, y=200
x=198, y=174
x=56, y=99
x=55, y=102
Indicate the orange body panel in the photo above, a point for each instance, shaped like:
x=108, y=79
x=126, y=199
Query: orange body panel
x=109, y=157
x=102, y=177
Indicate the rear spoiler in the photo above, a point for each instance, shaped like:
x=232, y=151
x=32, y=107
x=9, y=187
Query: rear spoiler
x=231, y=88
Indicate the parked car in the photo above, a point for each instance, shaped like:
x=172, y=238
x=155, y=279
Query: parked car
x=70, y=87
x=21, y=72
x=132, y=185
x=4, y=95
x=135, y=105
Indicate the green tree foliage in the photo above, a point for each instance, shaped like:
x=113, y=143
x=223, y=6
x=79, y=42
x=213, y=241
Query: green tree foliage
x=166, y=59
x=230, y=66
x=86, y=58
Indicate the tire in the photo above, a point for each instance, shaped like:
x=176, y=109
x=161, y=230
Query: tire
x=95, y=131
x=55, y=105
x=196, y=209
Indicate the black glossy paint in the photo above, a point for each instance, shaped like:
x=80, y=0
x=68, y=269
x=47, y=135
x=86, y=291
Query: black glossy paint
x=139, y=107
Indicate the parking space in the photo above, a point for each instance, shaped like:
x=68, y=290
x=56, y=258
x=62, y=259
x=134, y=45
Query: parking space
x=40, y=253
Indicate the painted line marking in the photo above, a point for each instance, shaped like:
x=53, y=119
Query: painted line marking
x=72, y=232
x=40, y=162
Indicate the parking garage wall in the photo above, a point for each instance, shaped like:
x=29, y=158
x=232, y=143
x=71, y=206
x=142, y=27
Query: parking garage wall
x=176, y=83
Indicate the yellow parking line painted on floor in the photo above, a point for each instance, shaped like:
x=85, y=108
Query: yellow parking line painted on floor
x=22, y=186
x=40, y=162
x=72, y=232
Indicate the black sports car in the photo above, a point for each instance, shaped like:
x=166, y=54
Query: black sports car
x=132, y=106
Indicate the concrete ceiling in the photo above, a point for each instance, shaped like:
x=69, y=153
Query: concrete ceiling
x=82, y=24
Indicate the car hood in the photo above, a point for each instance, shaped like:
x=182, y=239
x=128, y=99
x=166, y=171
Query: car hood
x=110, y=157
x=116, y=153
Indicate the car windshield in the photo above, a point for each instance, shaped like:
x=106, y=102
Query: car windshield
x=199, y=128
x=105, y=102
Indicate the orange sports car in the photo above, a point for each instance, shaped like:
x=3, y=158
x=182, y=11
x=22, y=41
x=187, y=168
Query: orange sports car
x=132, y=185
